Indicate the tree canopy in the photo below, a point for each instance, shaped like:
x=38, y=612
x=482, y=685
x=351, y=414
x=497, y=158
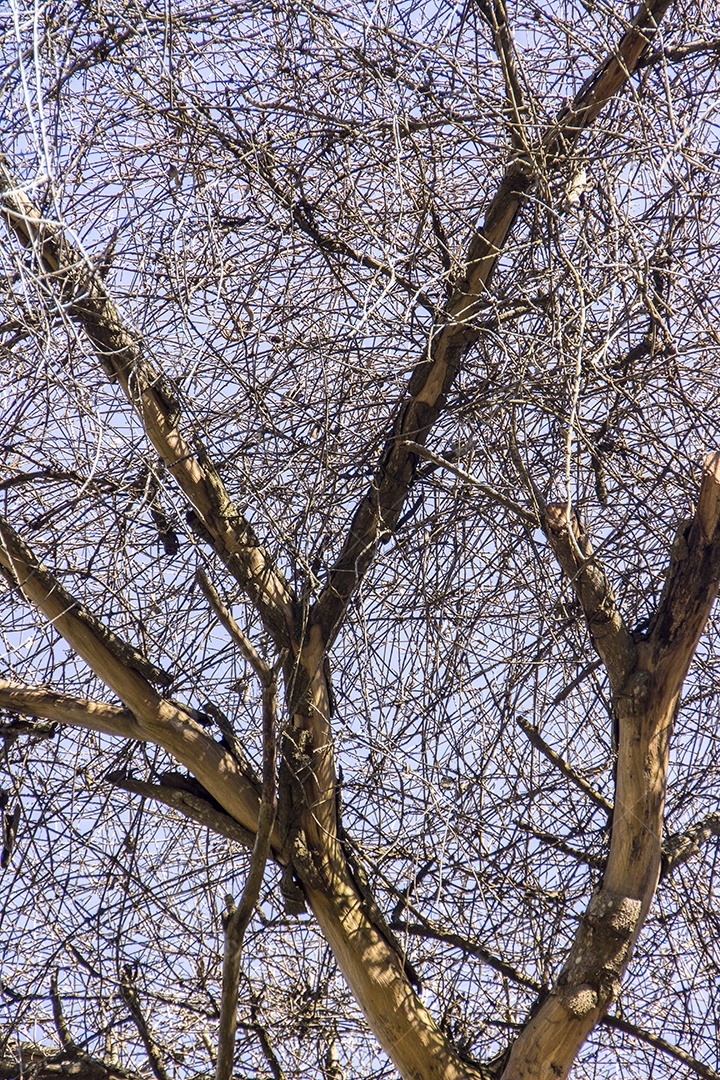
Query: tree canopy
x=359, y=536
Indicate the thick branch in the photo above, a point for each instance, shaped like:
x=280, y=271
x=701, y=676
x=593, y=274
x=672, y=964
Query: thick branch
x=645, y=704
x=157, y=720
x=495, y=14
x=20, y=1061
x=378, y=512
x=82, y=292
x=44, y=704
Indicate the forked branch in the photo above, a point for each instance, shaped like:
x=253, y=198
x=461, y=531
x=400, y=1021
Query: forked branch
x=378, y=512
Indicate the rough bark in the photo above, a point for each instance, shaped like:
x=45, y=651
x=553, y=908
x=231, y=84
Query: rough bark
x=646, y=682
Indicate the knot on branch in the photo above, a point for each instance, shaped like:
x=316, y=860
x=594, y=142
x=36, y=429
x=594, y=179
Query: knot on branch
x=592, y=973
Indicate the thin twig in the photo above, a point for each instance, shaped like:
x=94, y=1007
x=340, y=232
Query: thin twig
x=237, y=919
x=514, y=508
x=130, y=997
x=562, y=766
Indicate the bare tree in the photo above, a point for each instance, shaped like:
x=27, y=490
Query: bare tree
x=363, y=360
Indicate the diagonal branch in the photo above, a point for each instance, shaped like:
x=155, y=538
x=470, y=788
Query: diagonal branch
x=682, y=846
x=129, y=994
x=562, y=766
x=156, y=720
x=80, y=289
x=645, y=704
x=572, y=549
x=494, y=13
x=659, y=1043
x=378, y=512
x=202, y=809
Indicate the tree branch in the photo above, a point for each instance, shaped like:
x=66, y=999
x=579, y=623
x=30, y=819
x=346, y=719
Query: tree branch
x=261, y=669
x=377, y=514
x=495, y=14
x=237, y=920
x=43, y=704
x=682, y=846
x=659, y=1043
x=82, y=292
x=157, y=720
x=562, y=766
x=690, y=588
x=572, y=548
x=199, y=807
x=519, y=511
x=129, y=995
x=645, y=703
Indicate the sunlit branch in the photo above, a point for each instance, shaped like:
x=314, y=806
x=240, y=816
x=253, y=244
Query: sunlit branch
x=377, y=514
x=494, y=12
x=84, y=296
x=43, y=704
x=248, y=650
x=158, y=720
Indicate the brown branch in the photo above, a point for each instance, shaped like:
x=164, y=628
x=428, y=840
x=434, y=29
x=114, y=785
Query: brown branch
x=562, y=766
x=495, y=496
x=200, y=808
x=558, y=844
x=125, y=652
x=645, y=703
x=237, y=920
x=68, y=1043
x=495, y=14
x=130, y=996
x=682, y=846
x=19, y=1061
x=82, y=292
x=156, y=720
x=378, y=512
x=673, y=53
x=618, y=1024
x=44, y=704
x=572, y=549
x=261, y=669
x=690, y=588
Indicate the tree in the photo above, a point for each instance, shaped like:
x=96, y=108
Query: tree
x=360, y=527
